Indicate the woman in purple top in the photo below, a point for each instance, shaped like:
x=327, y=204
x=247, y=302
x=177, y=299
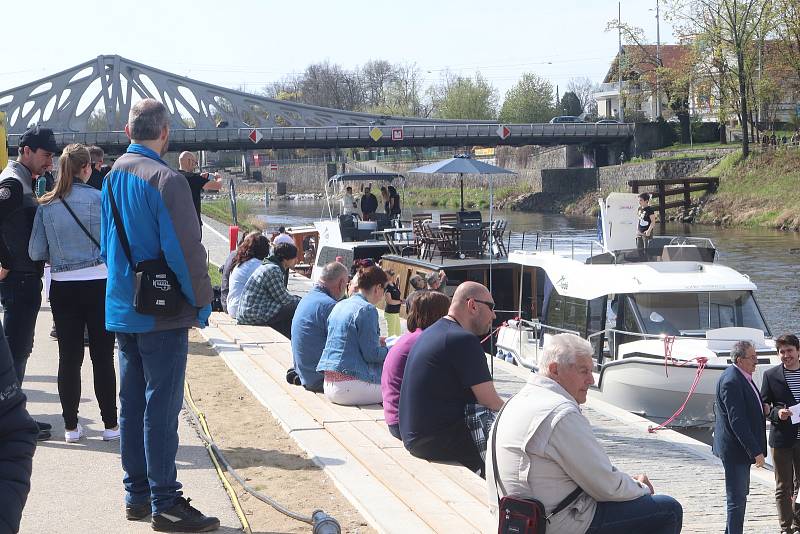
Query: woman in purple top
x=427, y=307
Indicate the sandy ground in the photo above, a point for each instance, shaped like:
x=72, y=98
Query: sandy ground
x=256, y=445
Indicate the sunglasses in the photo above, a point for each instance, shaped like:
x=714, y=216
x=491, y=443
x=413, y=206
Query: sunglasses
x=491, y=305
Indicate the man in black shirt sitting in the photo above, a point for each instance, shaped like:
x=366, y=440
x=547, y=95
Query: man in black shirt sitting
x=448, y=398
x=187, y=163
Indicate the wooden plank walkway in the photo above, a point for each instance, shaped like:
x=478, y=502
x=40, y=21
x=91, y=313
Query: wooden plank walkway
x=399, y=493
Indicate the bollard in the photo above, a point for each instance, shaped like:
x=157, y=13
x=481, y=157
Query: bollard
x=233, y=237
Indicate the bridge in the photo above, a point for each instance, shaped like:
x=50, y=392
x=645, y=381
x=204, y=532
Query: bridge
x=209, y=117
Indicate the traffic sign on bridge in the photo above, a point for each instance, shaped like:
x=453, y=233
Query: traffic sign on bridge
x=397, y=134
x=503, y=131
x=255, y=136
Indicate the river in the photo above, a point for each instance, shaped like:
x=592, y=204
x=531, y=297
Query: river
x=769, y=257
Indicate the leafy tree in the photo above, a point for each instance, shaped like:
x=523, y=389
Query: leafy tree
x=570, y=104
x=458, y=97
x=530, y=100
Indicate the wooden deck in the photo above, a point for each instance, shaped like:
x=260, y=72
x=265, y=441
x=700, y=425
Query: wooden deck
x=399, y=493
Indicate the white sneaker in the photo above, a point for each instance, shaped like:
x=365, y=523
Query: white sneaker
x=73, y=436
x=111, y=434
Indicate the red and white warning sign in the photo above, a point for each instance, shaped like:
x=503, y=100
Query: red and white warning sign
x=255, y=136
x=397, y=134
x=503, y=131
x=273, y=166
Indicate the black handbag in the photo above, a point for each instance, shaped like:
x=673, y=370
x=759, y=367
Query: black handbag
x=156, y=291
x=517, y=515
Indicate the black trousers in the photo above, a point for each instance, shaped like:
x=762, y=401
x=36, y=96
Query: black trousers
x=282, y=321
x=78, y=305
x=21, y=296
x=453, y=444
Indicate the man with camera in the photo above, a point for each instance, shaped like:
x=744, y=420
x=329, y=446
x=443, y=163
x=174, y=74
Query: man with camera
x=153, y=345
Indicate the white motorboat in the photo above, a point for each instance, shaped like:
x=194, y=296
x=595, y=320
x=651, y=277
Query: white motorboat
x=652, y=315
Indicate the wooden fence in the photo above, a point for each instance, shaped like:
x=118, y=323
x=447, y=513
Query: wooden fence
x=680, y=187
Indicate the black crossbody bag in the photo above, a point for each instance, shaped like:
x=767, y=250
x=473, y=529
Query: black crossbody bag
x=156, y=290
x=517, y=515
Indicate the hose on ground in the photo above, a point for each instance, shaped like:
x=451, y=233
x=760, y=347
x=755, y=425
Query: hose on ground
x=321, y=522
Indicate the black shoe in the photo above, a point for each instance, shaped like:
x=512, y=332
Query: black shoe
x=44, y=435
x=135, y=512
x=44, y=426
x=183, y=517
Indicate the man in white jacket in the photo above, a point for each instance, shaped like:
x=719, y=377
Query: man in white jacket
x=546, y=449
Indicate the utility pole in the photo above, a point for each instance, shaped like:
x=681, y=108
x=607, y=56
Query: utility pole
x=658, y=62
x=619, y=61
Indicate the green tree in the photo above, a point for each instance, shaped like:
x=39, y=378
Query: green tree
x=570, y=104
x=458, y=97
x=530, y=100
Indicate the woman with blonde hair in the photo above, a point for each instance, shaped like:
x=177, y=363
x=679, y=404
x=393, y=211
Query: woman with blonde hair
x=66, y=233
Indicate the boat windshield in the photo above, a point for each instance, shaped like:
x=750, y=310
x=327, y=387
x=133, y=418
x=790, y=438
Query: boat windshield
x=692, y=314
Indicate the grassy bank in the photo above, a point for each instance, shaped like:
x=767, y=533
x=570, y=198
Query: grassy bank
x=220, y=210
x=761, y=191
x=214, y=274
x=450, y=197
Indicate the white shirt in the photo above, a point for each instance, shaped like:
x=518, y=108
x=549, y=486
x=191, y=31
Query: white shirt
x=239, y=277
x=348, y=204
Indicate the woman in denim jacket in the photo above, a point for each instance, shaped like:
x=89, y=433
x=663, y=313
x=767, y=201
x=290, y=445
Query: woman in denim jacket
x=352, y=360
x=69, y=241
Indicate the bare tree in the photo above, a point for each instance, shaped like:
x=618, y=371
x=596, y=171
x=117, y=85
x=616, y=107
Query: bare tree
x=584, y=88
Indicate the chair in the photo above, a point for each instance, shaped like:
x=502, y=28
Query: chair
x=445, y=241
x=498, y=231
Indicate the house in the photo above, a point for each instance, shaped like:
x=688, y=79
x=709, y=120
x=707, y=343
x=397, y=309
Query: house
x=638, y=82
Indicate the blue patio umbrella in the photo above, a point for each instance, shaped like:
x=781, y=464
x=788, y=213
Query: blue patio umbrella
x=461, y=165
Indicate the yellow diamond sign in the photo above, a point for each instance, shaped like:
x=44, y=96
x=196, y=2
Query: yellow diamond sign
x=375, y=133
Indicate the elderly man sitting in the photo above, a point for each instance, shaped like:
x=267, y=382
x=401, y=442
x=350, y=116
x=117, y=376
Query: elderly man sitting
x=310, y=323
x=546, y=449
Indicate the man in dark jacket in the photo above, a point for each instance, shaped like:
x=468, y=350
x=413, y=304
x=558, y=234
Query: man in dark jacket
x=153, y=349
x=780, y=390
x=96, y=179
x=17, y=443
x=21, y=277
x=369, y=204
x=740, y=435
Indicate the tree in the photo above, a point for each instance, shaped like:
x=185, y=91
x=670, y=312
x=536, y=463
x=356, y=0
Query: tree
x=530, y=100
x=458, y=97
x=570, y=104
x=584, y=88
x=731, y=27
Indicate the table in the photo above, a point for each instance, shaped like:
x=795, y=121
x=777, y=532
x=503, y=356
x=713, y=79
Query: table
x=391, y=236
x=467, y=241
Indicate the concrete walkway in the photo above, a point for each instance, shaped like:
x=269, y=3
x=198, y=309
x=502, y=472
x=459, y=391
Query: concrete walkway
x=78, y=487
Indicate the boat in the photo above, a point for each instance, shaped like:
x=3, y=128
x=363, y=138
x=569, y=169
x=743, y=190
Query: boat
x=656, y=317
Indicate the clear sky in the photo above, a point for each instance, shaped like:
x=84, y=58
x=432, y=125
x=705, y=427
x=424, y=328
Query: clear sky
x=251, y=43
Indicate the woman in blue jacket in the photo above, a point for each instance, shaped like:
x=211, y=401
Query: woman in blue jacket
x=352, y=360
x=66, y=232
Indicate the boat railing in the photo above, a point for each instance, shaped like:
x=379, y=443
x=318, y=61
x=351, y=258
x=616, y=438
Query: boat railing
x=537, y=326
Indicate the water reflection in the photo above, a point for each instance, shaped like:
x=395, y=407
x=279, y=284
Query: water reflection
x=769, y=257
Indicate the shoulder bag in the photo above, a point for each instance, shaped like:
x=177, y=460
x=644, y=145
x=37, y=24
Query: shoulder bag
x=156, y=290
x=517, y=515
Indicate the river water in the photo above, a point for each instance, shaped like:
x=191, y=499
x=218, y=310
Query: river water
x=769, y=257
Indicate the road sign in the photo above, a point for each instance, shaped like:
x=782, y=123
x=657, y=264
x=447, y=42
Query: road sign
x=397, y=134
x=255, y=136
x=273, y=166
x=375, y=133
x=503, y=131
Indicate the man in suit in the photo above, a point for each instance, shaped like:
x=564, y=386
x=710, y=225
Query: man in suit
x=740, y=431
x=780, y=390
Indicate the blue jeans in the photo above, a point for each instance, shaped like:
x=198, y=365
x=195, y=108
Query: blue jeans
x=737, y=487
x=650, y=514
x=152, y=369
x=21, y=297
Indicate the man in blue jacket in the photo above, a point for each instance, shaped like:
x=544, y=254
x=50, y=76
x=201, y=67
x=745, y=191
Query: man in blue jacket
x=739, y=431
x=18, y=434
x=310, y=324
x=158, y=216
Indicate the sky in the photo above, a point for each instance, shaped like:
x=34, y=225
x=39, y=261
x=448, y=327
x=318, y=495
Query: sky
x=249, y=44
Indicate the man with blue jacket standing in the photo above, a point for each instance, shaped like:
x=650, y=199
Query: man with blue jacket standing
x=739, y=431
x=157, y=214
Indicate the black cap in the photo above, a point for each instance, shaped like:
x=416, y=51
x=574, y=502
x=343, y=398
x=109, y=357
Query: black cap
x=38, y=137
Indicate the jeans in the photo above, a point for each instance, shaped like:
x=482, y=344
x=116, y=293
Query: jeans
x=21, y=297
x=152, y=369
x=649, y=514
x=787, y=470
x=79, y=305
x=737, y=487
